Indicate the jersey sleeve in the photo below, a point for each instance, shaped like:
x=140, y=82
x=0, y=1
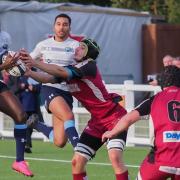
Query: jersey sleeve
x=88, y=69
x=36, y=53
x=145, y=107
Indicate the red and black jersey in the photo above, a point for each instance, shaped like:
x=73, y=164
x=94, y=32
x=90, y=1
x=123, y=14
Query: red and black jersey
x=87, y=86
x=165, y=114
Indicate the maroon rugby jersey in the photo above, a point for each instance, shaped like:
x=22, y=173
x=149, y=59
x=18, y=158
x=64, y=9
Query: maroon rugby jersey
x=87, y=86
x=165, y=114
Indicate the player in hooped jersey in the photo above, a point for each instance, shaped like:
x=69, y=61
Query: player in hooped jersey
x=59, y=50
x=163, y=161
x=86, y=85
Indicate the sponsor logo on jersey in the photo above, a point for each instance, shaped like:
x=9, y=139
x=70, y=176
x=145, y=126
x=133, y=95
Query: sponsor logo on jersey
x=49, y=61
x=171, y=136
x=69, y=49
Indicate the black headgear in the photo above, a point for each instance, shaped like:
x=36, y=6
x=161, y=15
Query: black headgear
x=92, y=49
x=170, y=77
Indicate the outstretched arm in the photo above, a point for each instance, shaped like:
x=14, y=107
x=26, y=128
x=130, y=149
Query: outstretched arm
x=122, y=125
x=49, y=68
x=40, y=77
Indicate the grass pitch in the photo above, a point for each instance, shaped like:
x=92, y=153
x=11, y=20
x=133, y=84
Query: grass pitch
x=51, y=163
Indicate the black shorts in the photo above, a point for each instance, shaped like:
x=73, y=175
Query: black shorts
x=3, y=87
x=88, y=144
x=49, y=93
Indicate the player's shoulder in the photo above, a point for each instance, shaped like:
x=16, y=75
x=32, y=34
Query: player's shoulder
x=86, y=63
x=76, y=37
x=72, y=41
x=45, y=41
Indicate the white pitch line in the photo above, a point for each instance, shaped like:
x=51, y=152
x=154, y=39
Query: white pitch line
x=64, y=161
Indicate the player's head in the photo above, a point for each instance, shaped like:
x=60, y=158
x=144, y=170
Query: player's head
x=88, y=49
x=63, y=16
x=170, y=77
x=62, y=25
x=91, y=48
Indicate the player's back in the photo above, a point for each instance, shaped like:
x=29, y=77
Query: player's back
x=165, y=113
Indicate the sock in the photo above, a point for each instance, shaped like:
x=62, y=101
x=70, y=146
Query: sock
x=71, y=132
x=123, y=176
x=20, y=137
x=81, y=176
x=41, y=127
x=51, y=136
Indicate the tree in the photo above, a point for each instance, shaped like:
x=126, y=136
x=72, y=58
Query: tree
x=173, y=11
x=167, y=8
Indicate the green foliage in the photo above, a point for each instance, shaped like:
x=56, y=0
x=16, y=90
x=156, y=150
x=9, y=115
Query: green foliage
x=167, y=8
x=173, y=11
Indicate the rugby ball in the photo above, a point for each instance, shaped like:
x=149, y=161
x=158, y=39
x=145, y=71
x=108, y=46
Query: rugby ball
x=19, y=69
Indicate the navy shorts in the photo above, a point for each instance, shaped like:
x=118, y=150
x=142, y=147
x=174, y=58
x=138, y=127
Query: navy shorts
x=3, y=87
x=49, y=93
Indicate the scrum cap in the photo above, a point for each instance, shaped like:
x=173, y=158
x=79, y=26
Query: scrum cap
x=92, y=50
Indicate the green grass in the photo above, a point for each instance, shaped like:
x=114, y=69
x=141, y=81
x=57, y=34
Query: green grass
x=52, y=170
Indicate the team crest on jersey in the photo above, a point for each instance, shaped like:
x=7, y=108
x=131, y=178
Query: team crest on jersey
x=171, y=136
x=69, y=49
x=48, y=61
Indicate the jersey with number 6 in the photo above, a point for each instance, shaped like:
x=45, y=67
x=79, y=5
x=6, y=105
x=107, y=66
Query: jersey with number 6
x=165, y=115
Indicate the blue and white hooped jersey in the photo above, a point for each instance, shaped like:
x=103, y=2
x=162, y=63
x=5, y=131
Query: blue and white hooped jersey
x=54, y=52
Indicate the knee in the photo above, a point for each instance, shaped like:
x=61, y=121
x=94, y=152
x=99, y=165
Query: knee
x=78, y=164
x=117, y=163
x=74, y=162
x=60, y=143
x=20, y=117
x=69, y=115
x=116, y=160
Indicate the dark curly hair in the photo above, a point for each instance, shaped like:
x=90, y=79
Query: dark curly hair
x=169, y=77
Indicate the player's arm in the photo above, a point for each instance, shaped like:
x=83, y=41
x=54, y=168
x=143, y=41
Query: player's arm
x=52, y=69
x=130, y=118
x=122, y=125
x=65, y=73
x=40, y=76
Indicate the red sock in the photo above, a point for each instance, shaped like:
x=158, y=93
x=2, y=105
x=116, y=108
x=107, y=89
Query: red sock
x=81, y=176
x=123, y=176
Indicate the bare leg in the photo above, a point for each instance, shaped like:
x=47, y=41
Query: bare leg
x=11, y=106
x=116, y=158
x=62, y=112
x=79, y=167
x=60, y=138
